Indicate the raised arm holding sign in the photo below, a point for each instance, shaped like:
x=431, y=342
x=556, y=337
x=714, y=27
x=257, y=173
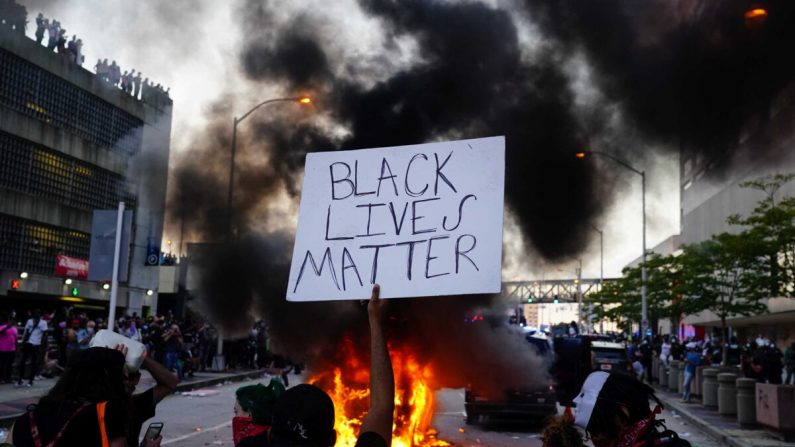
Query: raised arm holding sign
x=421, y=220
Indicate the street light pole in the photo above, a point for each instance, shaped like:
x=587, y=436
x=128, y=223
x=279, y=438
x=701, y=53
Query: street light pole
x=601, y=268
x=644, y=304
x=579, y=292
x=219, y=362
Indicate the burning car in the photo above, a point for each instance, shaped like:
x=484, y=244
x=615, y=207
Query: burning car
x=516, y=405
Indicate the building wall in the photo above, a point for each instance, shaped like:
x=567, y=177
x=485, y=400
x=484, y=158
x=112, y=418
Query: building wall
x=767, y=146
x=71, y=143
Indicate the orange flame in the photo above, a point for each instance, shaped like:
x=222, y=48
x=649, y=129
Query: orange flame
x=349, y=384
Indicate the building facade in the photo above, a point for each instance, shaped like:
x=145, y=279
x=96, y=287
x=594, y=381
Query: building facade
x=765, y=147
x=71, y=143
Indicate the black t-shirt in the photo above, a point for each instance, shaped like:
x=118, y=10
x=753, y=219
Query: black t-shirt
x=260, y=440
x=142, y=408
x=370, y=439
x=82, y=431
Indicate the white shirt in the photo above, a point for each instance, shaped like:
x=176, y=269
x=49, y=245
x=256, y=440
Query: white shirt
x=37, y=332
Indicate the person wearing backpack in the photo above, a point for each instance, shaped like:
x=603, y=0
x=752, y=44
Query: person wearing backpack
x=35, y=329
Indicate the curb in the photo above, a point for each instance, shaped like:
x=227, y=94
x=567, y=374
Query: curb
x=719, y=435
x=7, y=421
x=214, y=381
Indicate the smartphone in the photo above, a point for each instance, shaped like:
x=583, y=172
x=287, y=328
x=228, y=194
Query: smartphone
x=154, y=430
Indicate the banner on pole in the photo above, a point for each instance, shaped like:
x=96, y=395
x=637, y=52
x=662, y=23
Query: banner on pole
x=420, y=220
x=103, y=239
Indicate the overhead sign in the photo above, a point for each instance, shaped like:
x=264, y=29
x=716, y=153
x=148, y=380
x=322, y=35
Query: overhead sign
x=103, y=240
x=71, y=267
x=420, y=220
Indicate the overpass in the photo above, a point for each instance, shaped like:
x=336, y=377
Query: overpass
x=551, y=290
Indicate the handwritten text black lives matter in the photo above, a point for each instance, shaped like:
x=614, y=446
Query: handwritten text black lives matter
x=395, y=207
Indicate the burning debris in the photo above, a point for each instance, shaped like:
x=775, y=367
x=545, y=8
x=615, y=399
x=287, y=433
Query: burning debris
x=348, y=384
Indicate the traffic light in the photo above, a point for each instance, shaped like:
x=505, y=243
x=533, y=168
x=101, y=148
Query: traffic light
x=530, y=299
x=15, y=284
x=75, y=292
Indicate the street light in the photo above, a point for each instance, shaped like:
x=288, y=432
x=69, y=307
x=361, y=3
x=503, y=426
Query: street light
x=304, y=100
x=644, y=305
x=218, y=362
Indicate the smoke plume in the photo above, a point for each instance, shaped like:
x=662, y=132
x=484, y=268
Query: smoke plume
x=687, y=75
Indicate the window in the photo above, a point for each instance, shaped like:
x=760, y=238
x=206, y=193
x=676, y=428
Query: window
x=40, y=94
x=43, y=172
x=32, y=246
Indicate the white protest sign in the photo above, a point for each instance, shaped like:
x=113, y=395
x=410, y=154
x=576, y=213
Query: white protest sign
x=420, y=220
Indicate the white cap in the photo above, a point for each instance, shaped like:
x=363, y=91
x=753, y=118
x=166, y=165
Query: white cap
x=586, y=400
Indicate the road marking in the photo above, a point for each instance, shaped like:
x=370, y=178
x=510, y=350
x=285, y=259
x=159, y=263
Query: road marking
x=190, y=435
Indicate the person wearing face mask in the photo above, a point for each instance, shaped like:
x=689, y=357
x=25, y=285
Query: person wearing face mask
x=614, y=411
x=254, y=413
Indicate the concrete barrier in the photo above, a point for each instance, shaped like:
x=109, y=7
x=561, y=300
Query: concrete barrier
x=710, y=387
x=746, y=401
x=663, y=375
x=727, y=393
x=775, y=407
x=673, y=376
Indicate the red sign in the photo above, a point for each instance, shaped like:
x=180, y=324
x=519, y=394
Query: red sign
x=71, y=267
x=15, y=284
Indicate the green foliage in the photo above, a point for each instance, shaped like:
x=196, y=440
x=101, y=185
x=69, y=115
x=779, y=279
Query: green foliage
x=771, y=227
x=728, y=274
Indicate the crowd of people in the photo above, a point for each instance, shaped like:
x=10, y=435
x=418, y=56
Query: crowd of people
x=94, y=382
x=758, y=358
x=57, y=39
x=93, y=402
x=14, y=16
x=130, y=82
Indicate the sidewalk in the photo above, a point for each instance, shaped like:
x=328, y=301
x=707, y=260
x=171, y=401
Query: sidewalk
x=724, y=429
x=14, y=401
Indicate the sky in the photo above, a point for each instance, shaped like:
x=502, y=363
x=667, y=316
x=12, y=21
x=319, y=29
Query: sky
x=193, y=47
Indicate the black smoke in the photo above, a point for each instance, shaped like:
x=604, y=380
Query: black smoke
x=692, y=74
x=687, y=78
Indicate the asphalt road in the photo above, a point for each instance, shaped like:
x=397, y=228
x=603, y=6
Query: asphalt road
x=205, y=419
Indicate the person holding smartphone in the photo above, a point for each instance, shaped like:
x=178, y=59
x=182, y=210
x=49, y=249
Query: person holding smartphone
x=142, y=406
x=152, y=437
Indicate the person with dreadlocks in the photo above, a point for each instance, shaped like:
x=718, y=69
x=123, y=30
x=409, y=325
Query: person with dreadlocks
x=88, y=406
x=613, y=409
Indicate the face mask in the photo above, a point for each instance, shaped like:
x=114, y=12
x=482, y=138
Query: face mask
x=244, y=427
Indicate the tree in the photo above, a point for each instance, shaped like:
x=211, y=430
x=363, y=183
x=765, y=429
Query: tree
x=771, y=225
x=614, y=302
x=667, y=288
x=720, y=274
